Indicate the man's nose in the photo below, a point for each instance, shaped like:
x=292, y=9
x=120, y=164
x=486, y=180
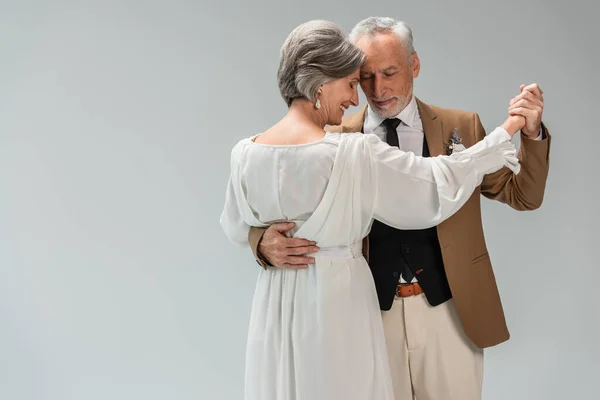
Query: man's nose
x=378, y=89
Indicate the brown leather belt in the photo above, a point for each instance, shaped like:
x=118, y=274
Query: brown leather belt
x=408, y=289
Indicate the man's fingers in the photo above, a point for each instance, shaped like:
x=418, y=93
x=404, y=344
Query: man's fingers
x=533, y=105
x=294, y=266
x=520, y=103
x=298, y=260
x=524, y=103
x=298, y=242
x=282, y=226
x=524, y=112
x=530, y=111
x=525, y=96
x=532, y=96
x=534, y=88
x=528, y=96
x=296, y=251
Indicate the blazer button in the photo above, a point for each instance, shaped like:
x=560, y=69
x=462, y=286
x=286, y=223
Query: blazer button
x=395, y=274
x=407, y=250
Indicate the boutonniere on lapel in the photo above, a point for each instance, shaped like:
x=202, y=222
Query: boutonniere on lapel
x=454, y=144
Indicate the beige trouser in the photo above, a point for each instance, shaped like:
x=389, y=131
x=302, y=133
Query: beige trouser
x=430, y=356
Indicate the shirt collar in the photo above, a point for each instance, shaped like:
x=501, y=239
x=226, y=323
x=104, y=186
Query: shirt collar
x=409, y=116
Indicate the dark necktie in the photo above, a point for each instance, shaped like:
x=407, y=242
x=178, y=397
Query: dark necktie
x=391, y=137
x=391, y=126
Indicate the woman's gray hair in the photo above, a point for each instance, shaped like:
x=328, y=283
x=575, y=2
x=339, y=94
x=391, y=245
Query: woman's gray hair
x=313, y=54
x=374, y=25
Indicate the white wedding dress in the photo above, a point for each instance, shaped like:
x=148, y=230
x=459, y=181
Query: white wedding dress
x=316, y=333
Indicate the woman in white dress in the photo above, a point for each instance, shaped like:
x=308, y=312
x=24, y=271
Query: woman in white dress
x=316, y=333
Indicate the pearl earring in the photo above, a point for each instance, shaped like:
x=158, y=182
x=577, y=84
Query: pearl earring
x=318, y=104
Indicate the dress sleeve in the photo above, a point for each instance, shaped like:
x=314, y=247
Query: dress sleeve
x=231, y=219
x=413, y=192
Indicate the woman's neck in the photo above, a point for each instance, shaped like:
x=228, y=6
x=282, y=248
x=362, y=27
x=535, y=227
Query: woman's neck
x=305, y=112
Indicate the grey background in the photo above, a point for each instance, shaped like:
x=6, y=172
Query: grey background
x=116, y=121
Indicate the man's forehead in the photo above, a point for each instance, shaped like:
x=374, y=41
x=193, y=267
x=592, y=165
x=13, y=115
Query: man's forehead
x=380, y=64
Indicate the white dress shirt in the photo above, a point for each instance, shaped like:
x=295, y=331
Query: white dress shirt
x=410, y=131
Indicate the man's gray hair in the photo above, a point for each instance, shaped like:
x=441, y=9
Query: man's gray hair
x=375, y=25
x=313, y=54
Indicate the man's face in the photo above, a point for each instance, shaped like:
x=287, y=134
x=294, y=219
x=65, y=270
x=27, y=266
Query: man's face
x=387, y=75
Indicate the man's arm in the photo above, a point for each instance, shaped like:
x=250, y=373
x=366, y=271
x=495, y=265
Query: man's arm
x=271, y=247
x=524, y=191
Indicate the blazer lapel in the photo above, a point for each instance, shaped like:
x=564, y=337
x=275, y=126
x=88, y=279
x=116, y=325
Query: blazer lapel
x=432, y=127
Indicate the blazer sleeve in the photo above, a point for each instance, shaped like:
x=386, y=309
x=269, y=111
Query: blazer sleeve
x=523, y=191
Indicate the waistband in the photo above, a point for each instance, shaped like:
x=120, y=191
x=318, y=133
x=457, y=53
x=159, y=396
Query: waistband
x=353, y=250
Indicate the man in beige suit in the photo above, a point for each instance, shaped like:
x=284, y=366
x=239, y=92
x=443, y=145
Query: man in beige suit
x=436, y=287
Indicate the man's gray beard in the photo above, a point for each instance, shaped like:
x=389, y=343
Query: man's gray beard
x=401, y=105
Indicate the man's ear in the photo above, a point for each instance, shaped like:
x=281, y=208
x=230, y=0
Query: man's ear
x=416, y=65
